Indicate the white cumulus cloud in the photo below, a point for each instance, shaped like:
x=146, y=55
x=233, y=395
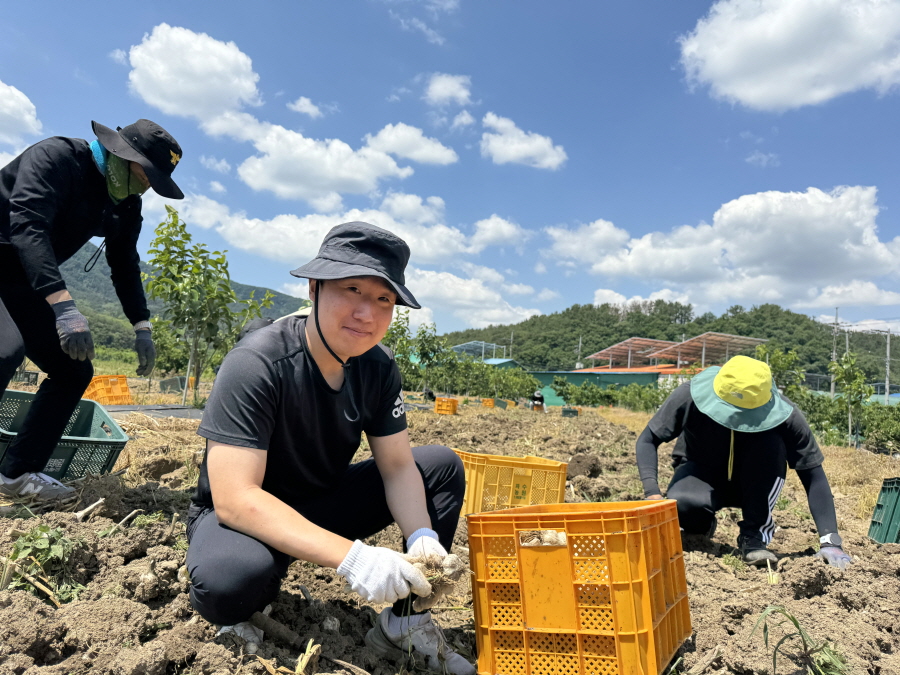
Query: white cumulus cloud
x=604, y=296
x=546, y=294
x=217, y=187
x=763, y=159
x=213, y=164
x=780, y=54
x=853, y=294
x=470, y=300
x=287, y=236
x=444, y=89
x=507, y=144
x=497, y=231
x=410, y=142
x=119, y=56
x=587, y=242
x=462, y=119
x=413, y=209
x=796, y=248
x=18, y=116
x=293, y=166
x=305, y=106
x=191, y=74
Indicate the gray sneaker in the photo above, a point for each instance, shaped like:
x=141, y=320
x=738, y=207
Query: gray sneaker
x=427, y=639
x=755, y=553
x=37, y=485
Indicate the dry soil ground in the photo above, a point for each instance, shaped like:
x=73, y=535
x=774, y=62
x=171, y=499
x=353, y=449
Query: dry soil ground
x=132, y=616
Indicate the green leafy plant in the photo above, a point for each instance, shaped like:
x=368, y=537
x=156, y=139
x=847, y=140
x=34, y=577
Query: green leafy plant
x=852, y=380
x=819, y=658
x=785, y=368
x=734, y=562
x=40, y=562
x=194, y=285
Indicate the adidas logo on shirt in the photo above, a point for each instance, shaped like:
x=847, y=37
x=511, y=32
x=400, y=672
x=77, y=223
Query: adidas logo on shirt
x=396, y=412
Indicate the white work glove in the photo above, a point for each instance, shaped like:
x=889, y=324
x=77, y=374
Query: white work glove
x=423, y=543
x=381, y=575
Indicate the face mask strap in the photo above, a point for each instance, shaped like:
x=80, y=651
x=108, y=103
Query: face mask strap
x=344, y=366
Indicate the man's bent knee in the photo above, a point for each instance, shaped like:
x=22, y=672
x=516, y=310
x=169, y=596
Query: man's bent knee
x=226, y=590
x=10, y=359
x=695, y=513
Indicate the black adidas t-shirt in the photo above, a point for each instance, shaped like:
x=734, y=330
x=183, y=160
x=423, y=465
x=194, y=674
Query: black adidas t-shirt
x=270, y=395
x=707, y=442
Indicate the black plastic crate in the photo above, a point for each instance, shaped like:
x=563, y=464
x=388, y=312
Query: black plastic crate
x=91, y=440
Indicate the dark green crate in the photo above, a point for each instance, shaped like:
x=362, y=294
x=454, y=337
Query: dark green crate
x=885, y=525
x=500, y=403
x=91, y=440
x=570, y=412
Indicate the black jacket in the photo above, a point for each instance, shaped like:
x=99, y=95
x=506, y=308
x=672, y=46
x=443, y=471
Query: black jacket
x=52, y=201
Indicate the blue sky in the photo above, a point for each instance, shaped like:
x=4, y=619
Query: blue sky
x=534, y=155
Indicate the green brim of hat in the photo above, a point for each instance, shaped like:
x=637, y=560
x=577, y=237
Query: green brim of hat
x=766, y=417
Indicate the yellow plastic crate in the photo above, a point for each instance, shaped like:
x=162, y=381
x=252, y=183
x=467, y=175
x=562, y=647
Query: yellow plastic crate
x=496, y=482
x=487, y=403
x=604, y=594
x=445, y=406
x=109, y=390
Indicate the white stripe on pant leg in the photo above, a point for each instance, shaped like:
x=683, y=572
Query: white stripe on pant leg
x=768, y=529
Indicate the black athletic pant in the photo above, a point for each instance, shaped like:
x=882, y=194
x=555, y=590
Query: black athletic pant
x=754, y=488
x=28, y=328
x=234, y=575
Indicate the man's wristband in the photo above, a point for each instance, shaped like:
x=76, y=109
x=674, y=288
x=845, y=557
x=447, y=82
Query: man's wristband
x=143, y=325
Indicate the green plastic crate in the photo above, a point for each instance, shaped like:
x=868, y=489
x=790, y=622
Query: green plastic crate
x=500, y=403
x=91, y=440
x=885, y=525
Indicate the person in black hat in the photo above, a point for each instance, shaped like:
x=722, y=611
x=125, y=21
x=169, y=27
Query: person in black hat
x=283, y=423
x=54, y=197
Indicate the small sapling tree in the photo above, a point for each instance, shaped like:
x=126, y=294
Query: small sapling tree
x=194, y=285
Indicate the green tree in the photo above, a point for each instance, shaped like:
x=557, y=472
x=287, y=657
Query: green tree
x=399, y=341
x=194, y=285
x=171, y=353
x=785, y=368
x=429, y=348
x=852, y=381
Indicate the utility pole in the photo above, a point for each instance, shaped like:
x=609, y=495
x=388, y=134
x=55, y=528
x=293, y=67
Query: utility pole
x=834, y=346
x=887, y=370
x=511, y=333
x=578, y=363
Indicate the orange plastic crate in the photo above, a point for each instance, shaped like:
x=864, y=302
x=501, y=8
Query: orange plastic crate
x=487, y=403
x=605, y=595
x=496, y=482
x=445, y=406
x=109, y=390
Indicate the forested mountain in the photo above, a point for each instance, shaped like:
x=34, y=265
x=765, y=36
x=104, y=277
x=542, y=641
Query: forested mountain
x=96, y=298
x=550, y=341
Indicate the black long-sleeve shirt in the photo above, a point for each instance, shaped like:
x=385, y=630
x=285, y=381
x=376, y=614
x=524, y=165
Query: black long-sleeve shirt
x=707, y=442
x=52, y=201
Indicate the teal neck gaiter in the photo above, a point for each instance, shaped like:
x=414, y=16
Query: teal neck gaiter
x=119, y=183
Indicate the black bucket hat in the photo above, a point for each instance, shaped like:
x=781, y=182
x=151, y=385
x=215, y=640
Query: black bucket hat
x=149, y=145
x=358, y=250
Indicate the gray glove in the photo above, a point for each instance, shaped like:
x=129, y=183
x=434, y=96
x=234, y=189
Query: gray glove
x=146, y=351
x=834, y=556
x=74, y=333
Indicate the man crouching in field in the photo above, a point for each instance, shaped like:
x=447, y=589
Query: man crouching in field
x=740, y=435
x=284, y=420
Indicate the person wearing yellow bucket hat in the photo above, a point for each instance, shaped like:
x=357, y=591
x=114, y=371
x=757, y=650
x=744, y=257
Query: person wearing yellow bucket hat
x=740, y=434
